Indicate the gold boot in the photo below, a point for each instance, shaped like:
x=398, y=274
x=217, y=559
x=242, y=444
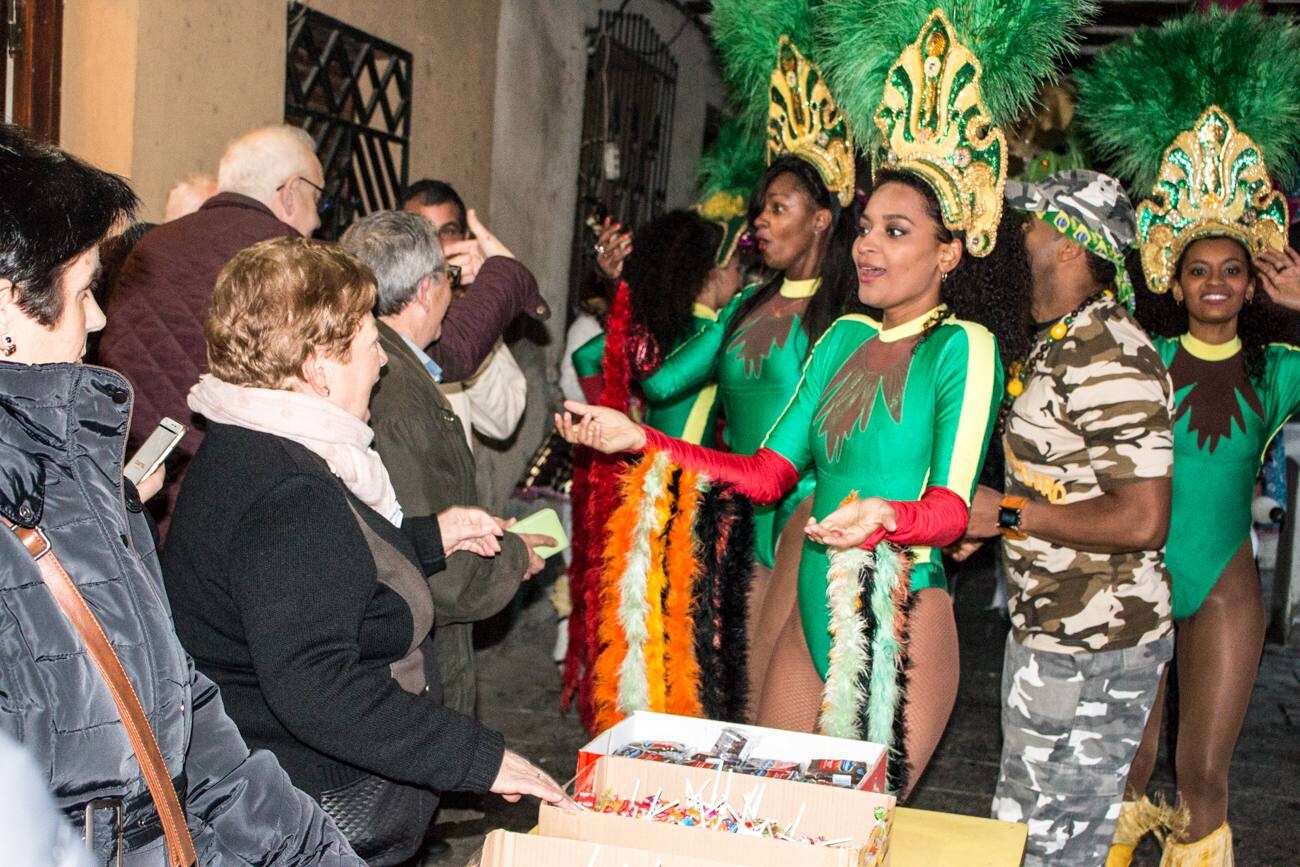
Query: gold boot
x=1136, y=820
x=1212, y=850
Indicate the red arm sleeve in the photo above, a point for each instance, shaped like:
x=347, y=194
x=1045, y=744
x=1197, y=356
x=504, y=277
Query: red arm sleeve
x=939, y=518
x=763, y=477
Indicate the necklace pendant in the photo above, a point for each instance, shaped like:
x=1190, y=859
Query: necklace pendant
x=1058, y=331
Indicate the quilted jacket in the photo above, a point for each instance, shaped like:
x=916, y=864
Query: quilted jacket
x=62, y=439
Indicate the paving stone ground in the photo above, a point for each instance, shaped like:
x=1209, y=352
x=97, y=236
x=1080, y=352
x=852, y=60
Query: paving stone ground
x=519, y=695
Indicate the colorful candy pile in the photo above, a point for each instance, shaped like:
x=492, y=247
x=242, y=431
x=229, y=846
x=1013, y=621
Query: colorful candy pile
x=732, y=752
x=706, y=810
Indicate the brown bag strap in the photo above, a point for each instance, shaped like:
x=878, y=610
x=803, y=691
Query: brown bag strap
x=180, y=848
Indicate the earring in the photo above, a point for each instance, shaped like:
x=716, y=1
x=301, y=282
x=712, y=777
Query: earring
x=326, y=389
x=943, y=276
x=9, y=346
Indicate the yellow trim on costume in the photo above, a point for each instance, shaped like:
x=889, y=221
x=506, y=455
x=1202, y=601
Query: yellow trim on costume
x=911, y=328
x=704, y=311
x=800, y=288
x=698, y=419
x=977, y=397
x=859, y=317
x=1198, y=348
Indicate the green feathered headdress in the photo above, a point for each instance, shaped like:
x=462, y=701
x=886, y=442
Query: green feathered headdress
x=1018, y=43
x=726, y=175
x=746, y=33
x=1142, y=91
x=1197, y=113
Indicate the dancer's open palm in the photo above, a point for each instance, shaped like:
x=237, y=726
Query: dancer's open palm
x=603, y=429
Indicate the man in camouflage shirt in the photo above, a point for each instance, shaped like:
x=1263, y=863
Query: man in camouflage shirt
x=1089, y=457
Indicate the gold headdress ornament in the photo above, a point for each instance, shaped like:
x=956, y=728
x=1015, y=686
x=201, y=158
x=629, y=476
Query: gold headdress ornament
x=1212, y=182
x=730, y=212
x=803, y=120
x=936, y=125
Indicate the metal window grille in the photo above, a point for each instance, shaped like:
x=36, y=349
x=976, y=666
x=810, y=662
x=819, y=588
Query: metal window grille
x=627, y=120
x=352, y=93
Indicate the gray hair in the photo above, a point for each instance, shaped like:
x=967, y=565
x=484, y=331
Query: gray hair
x=401, y=249
x=257, y=162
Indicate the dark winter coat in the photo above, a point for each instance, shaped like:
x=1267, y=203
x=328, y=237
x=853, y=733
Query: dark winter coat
x=62, y=439
x=306, y=606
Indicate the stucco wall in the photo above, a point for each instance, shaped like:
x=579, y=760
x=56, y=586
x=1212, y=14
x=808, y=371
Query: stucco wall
x=97, y=112
x=453, y=47
x=155, y=89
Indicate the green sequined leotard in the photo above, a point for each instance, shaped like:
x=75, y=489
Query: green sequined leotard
x=886, y=414
x=1222, y=427
x=757, y=373
x=680, y=399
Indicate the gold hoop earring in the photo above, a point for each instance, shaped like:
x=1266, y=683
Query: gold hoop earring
x=9, y=346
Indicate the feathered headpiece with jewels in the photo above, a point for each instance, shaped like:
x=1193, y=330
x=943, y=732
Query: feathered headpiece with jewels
x=931, y=84
x=1199, y=111
x=767, y=49
x=727, y=175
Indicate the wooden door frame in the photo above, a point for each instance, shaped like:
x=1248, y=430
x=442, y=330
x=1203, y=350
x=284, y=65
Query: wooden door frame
x=36, y=44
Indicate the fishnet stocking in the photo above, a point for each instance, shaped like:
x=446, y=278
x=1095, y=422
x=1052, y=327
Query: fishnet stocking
x=771, y=600
x=791, y=694
x=932, y=674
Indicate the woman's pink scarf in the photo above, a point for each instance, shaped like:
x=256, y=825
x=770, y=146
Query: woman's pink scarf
x=338, y=437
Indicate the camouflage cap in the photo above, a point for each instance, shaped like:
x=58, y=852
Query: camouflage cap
x=1090, y=209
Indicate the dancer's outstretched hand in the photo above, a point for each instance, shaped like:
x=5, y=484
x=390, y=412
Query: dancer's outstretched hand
x=603, y=429
x=854, y=523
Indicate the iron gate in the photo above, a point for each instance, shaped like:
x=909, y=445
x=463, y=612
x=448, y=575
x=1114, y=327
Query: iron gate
x=627, y=119
x=352, y=93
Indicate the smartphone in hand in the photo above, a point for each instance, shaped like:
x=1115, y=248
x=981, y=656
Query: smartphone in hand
x=154, y=451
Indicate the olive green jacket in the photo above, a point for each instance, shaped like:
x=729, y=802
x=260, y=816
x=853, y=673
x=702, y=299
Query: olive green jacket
x=422, y=443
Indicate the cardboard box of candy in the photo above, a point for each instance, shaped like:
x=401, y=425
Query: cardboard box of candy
x=730, y=817
x=507, y=849
x=764, y=752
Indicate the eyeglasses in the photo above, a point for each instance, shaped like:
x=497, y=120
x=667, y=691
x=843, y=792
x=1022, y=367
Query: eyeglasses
x=324, y=201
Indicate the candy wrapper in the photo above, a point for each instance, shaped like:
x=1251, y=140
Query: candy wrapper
x=835, y=772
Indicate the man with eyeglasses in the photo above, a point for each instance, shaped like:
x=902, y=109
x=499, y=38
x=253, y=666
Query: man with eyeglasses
x=270, y=184
x=490, y=400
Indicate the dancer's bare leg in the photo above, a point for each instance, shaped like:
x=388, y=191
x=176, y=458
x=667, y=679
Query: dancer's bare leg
x=1218, y=651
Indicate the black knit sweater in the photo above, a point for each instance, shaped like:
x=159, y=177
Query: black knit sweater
x=286, y=590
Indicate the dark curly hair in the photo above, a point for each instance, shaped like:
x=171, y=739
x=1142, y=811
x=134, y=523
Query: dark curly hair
x=838, y=292
x=1258, y=324
x=671, y=258
x=993, y=290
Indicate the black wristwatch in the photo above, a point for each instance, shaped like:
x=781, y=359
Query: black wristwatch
x=1009, y=515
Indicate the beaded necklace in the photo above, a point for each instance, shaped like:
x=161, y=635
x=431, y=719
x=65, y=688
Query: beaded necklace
x=1015, y=382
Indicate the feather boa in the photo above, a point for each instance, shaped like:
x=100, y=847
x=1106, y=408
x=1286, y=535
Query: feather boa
x=682, y=666
x=629, y=585
x=613, y=647
x=595, y=498
x=865, y=692
x=664, y=614
x=843, y=695
x=656, y=589
x=725, y=529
